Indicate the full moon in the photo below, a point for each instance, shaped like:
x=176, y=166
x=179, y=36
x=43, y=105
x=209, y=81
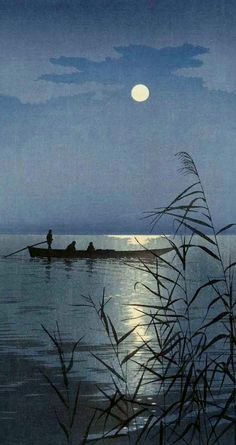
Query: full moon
x=140, y=92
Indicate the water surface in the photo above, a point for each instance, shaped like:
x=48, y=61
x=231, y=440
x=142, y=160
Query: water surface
x=35, y=292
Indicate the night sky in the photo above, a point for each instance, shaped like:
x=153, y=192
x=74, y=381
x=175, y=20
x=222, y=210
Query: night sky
x=78, y=154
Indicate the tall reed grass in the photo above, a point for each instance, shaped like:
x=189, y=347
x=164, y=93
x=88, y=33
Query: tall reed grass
x=69, y=402
x=189, y=365
x=187, y=361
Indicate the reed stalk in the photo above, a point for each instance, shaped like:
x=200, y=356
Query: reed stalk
x=69, y=401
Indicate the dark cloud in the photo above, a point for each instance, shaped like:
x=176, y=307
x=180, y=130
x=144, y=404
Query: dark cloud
x=135, y=63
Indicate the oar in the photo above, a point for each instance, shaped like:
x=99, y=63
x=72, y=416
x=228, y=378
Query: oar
x=21, y=250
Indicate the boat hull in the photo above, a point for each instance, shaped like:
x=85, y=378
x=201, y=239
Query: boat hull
x=36, y=252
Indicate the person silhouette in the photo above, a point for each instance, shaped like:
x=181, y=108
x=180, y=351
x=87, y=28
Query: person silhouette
x=71, y=247
x=91, y=248
x=49, y=238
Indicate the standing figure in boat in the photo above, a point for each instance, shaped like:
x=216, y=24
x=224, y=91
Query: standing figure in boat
x=49, y=238
x=71, y=247
x=90, y=248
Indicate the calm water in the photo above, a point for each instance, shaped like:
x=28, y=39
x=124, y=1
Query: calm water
x=35, y=292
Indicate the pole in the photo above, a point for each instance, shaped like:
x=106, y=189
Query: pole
x=21, y=250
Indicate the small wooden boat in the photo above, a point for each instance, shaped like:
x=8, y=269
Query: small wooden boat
x=37, y=252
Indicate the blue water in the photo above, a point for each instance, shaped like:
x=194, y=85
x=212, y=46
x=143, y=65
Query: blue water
x=34, y=292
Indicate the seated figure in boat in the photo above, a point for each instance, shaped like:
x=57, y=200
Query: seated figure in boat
x=71, y=247
x=90, y=248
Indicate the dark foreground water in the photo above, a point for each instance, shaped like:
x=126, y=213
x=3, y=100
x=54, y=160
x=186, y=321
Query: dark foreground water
x=35, y=292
